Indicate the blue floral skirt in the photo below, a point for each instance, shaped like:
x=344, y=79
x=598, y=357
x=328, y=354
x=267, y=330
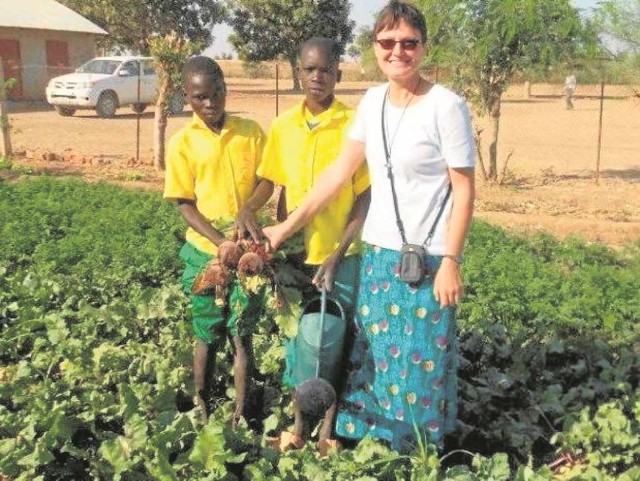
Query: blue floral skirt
x=402, y=367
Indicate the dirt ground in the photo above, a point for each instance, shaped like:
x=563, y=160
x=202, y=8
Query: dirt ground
x=550, y=182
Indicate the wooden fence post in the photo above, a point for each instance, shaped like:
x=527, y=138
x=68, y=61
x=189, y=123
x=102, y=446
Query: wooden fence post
x=600, y=131
x=5, y=145
x=277, y=88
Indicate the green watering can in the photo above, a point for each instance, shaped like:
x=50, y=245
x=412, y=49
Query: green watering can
x=317, y=350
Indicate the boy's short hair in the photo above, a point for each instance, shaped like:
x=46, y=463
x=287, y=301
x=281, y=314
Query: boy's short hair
x=201, y=65
x=395, y=12
x=329, y=45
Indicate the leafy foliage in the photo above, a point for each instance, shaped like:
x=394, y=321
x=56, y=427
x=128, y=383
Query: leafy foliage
x=268, y=29
x=362, y=48
x=607, y=438
x=5, y=128
x=483, y=44
x=543, y=287
x=169, y=30
x=95, y=354
x=621, y=20
x=132, y=24
x=170, y=53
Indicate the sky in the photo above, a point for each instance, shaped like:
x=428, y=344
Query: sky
x=362, y=12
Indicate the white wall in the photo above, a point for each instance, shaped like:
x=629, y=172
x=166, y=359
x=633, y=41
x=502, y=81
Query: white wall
x=33, y=55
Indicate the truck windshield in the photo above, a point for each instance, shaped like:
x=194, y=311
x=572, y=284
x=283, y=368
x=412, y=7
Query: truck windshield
x=99, y=66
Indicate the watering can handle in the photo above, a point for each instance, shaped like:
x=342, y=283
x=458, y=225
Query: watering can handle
x=323, y=309
x=323, y=302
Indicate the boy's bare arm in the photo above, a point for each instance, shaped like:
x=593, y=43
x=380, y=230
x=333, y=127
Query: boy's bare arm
x=281, y=213
x=326, y=272
x=199, y=223
x=246, y=222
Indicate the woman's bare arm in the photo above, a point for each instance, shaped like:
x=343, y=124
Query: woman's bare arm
x=323, y=191
x=448, y=288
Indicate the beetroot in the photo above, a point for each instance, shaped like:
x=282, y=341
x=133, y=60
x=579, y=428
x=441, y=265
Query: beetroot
x=214, y=274
x=231, y=253
x=250, y=264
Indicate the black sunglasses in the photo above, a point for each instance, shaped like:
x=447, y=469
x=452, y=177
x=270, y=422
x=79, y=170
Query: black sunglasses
x=389, y=43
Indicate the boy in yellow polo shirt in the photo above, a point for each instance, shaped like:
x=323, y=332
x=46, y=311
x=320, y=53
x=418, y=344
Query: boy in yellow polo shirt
x=211, y=174
x=302, y=142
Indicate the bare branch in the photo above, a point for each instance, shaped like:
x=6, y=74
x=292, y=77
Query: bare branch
x=477, y=140
x=503, y=174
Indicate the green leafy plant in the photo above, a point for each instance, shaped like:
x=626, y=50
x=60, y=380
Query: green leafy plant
x=96, y=352
x=131, y=176
x=606, y=436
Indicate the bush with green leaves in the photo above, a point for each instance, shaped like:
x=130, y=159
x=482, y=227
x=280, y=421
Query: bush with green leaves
x=95, y=356
x=548, y=288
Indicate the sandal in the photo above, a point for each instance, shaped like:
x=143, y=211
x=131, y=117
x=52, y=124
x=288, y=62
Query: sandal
x=325, y=445
x=285, y=442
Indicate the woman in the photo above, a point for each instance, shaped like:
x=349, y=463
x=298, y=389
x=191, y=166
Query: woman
x=402, y=370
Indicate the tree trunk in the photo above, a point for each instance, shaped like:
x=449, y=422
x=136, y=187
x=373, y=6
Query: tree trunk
x=160, y=126
x=494, y=112
x=493, y=150
x=6, y=149
x=293, y=61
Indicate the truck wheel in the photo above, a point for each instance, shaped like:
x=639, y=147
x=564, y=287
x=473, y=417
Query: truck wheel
x=138, y=108
x=176, y=104
x=65, y=111
x=107, y=105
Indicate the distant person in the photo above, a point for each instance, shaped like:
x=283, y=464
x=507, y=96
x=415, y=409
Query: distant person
x=302, y=143
x=211, y=174
x=570, y=84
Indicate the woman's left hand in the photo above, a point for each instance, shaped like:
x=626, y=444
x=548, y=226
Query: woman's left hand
x=447, y=286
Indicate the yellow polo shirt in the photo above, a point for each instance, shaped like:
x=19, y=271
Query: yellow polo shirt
x=217, y=171
x=296, y=155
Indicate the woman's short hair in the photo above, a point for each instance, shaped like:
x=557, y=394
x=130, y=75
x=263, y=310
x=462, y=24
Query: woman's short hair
x=396, y=11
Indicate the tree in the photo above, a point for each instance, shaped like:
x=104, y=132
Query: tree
x=362, y=43
x=5, y=129
x=483, y=44
x=154, y=27
x=170, y=53
x=354, y=52
x=368, y=60
x=131, y=24
x=268, y=29
x=620, y=19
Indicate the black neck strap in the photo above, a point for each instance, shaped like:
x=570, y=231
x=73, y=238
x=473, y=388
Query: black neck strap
x=387, y=154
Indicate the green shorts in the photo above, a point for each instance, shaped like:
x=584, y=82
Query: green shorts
x=212, y=322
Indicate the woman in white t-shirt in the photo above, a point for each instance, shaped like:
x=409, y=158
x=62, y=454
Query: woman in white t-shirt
x=402, y=368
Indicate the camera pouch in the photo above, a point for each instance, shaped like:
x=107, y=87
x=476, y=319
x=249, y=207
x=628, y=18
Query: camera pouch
x=413, y=264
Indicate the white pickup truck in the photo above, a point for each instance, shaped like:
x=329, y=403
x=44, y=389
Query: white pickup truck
x=106, y=83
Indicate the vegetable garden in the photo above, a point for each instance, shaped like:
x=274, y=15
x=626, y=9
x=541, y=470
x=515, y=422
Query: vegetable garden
x=96, y=350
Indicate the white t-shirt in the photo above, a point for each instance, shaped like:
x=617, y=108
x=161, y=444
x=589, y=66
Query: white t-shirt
x=431, y=136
